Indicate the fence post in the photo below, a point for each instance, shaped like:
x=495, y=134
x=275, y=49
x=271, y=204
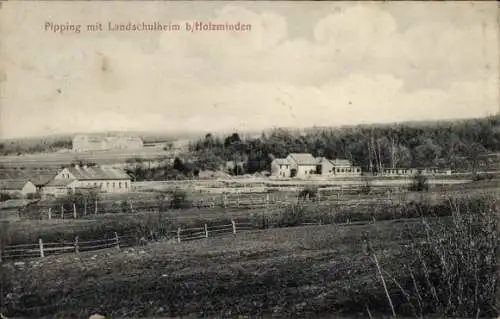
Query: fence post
x=131, y=207
x=74, y=210
x=50, y=212
x=40, y=243
x=95, y=207
x=179, y=235
x=62, y=212
x=77, y=248
x=267, y=201
x=206, y=231
x=85, y=207
x=117, y=241
x=234, y=226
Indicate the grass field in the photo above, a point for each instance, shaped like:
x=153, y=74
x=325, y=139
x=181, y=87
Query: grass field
x=284, y=272
x=279, y=270
x=253, y=273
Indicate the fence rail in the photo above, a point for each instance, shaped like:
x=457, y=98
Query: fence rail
x=267, y=201
x=42, y=249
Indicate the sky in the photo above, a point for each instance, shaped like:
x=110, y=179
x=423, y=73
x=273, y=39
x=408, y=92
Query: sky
x=302, y=64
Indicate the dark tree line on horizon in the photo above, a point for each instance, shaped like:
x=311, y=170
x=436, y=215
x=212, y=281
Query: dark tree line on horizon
x=440, y=144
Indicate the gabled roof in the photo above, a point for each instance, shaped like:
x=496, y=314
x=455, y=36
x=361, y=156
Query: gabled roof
x=13, y=184
x=38, y=176
x=97, y=173
x=303, y=158
x=341, y=162
x=281, y=161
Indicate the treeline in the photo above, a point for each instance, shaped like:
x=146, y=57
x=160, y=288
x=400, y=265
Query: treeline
x=453, y=144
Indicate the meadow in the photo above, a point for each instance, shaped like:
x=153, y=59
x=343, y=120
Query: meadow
x=423, y=252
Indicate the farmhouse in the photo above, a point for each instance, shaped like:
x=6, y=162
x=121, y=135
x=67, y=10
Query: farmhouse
x=84, y=177
x=17, y=187
x=85, y=143
x=280, y=167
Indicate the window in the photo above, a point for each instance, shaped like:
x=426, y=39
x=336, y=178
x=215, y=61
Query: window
x=113, y=184
x=120, y=184
x=107, y=184
x=95, y=183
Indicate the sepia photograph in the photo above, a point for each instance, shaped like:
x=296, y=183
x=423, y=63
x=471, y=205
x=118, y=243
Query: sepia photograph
x=249, y=159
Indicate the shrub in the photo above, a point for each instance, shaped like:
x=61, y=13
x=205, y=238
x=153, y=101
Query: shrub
x=309, y=192
x=420, y=183
x=179, y=199
x=455, y=271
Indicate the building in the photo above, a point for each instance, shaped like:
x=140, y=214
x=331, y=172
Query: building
x=430, y=171
x=17, y=187
x=85, y=143
x=281, y=167
x=38, y=176
x=302, y=165
x=84, y=177
x=337, y=167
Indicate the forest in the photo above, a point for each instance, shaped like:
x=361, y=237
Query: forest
x=460, y=145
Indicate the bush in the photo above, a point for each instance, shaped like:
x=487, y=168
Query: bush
x=4, y=197
x=420, y=183
x=179, y=199
x=457, y=265
x=309, y=192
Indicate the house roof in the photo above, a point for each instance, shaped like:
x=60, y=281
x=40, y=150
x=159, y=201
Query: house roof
x=13, y=184
x=303, y=158
x=38, y=176
x=281, y=161
x=341, y=162
x=98, y=173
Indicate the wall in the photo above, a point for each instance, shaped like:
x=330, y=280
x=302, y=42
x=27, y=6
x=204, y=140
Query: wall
x=347, y=171
x=109, y=186
x=304, y=171
x=29, y=188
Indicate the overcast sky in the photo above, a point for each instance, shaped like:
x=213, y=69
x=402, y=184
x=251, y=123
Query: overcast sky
x=302, y=64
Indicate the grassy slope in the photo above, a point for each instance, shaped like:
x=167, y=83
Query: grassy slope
x=300, y=270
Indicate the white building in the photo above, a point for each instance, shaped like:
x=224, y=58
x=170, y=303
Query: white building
x=102, y=179
x=281, y=167
x=302, y=165
x=85, y=143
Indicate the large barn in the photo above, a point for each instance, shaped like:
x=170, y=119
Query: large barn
x=107, y=180
x=85, y=143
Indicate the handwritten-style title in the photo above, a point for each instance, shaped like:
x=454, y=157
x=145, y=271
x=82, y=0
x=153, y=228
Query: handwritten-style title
x=155, y=26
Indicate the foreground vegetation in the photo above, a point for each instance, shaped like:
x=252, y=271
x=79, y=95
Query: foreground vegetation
x=429, y=265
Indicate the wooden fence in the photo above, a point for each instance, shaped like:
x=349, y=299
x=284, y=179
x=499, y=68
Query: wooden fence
x=266, y=201
x=42, y=249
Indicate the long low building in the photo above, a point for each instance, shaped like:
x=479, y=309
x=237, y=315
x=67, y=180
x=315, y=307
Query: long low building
x=76, y=177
